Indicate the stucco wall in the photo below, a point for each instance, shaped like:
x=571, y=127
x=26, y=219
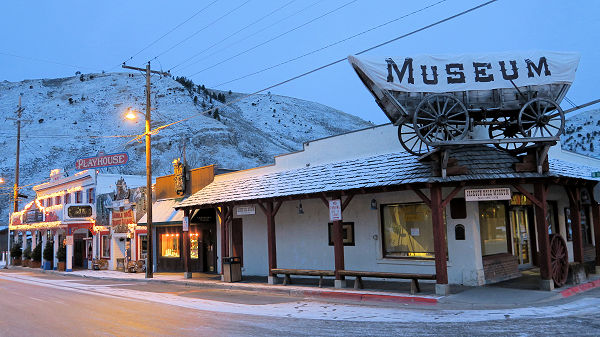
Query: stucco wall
x=302, y=240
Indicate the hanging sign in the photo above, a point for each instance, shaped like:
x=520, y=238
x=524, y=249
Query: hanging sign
x=447, y=73
x=335, y=210
x=245, y=210
x=102, y=160
x=483, y=194
x=186, y=224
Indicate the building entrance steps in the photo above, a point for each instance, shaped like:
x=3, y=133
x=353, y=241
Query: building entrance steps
x=502, y=295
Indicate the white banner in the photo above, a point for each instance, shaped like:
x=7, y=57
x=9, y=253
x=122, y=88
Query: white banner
x=443, y=73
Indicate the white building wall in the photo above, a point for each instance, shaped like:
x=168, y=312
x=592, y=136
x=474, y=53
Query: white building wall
x=302, y=239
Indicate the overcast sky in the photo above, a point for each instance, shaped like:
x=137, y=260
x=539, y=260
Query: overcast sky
x=94, y=36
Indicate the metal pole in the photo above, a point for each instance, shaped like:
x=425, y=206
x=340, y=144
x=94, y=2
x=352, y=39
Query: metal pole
x=150, y=257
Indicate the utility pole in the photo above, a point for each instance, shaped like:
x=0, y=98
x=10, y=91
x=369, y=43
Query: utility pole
x=150, y=254
x=16, y=185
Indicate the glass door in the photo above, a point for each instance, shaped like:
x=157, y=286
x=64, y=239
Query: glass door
x=519, y=223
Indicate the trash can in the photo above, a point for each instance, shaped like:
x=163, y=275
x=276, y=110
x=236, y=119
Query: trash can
x=232, y=269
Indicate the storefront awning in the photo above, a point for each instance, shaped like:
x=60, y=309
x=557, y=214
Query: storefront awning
x=163, y=212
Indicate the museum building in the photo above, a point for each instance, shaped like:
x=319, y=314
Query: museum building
x=480, y=216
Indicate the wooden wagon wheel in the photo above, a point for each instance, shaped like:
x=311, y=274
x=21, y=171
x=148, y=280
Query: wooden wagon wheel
x=541, y=117
x=559, y=260
x=410, y=141
x=441, y=117
x=505, y=127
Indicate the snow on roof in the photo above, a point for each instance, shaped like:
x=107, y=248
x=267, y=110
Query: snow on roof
x=380, y=170
x=163, y=211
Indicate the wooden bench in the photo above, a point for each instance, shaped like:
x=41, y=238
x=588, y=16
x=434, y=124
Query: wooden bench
x=306, y=272
x=414, y=283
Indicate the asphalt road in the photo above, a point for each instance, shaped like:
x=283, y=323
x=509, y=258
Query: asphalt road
x=33, y=304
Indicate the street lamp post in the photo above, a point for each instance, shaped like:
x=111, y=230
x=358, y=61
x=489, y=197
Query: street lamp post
x=150, y=255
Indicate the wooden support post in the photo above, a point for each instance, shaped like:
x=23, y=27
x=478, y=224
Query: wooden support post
x=574, y=201
x=439, y=241
x=596, y=220
x=187, y=263
x=271, y=239
x=222, y=212
x=338, y=248
x=270, y=210
x=543, y=239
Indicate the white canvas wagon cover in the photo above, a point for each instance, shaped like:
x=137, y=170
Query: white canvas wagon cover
x=450, y=73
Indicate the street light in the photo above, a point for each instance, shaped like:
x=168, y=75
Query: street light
x=131, y=114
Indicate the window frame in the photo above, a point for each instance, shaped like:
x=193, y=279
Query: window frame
x=382, y=231
x=103, y=245
x=179, y=245
x=90, y=195
x=139, y=250
x=507, y=226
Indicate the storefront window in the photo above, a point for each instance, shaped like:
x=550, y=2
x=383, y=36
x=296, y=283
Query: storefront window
x=105, y=246
x=492, y=221
x=169, y=244
x=407, y=231
x=143, y=246
x=194, y=245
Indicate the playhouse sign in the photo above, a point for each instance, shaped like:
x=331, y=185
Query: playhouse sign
x=102, y=160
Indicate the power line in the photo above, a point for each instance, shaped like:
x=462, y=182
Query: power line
x=329, y=45
x=200, y=30
x=233, y=34
x=47, y=61
x=253, y=34
x=170, y=31
x=276, y=37
x=326, y=65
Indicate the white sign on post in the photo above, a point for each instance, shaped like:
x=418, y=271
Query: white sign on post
x=335, y=210
x=186, y=224
x=483, y=194
x=69, y=240
x=246, y=210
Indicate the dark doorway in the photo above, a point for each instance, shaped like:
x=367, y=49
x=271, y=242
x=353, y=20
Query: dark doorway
x=237, y=237
x=79, y=250
x=205, y=228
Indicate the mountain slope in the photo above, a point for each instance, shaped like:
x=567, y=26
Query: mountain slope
x=75, y=117
x=582, y=133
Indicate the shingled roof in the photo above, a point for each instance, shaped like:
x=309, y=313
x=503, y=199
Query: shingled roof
x=388, y=169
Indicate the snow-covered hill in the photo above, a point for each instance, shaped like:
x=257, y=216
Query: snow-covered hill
x=75, y=117
x=582, y=133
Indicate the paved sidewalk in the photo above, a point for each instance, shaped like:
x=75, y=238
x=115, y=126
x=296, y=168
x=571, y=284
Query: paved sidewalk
x=462, y=297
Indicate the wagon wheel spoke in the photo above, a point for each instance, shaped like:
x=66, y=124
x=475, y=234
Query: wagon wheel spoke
x=445, y=106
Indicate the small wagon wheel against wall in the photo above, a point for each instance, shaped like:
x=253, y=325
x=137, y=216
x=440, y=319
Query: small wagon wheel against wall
x=506, y=128
x=410, y=141
x=559, y=260
x=541, y=117
x=441, y=117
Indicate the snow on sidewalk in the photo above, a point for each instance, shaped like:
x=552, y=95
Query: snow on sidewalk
x=319, y=310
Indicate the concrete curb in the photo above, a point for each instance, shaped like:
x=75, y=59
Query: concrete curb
x=291, y=291
x=580, y=288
